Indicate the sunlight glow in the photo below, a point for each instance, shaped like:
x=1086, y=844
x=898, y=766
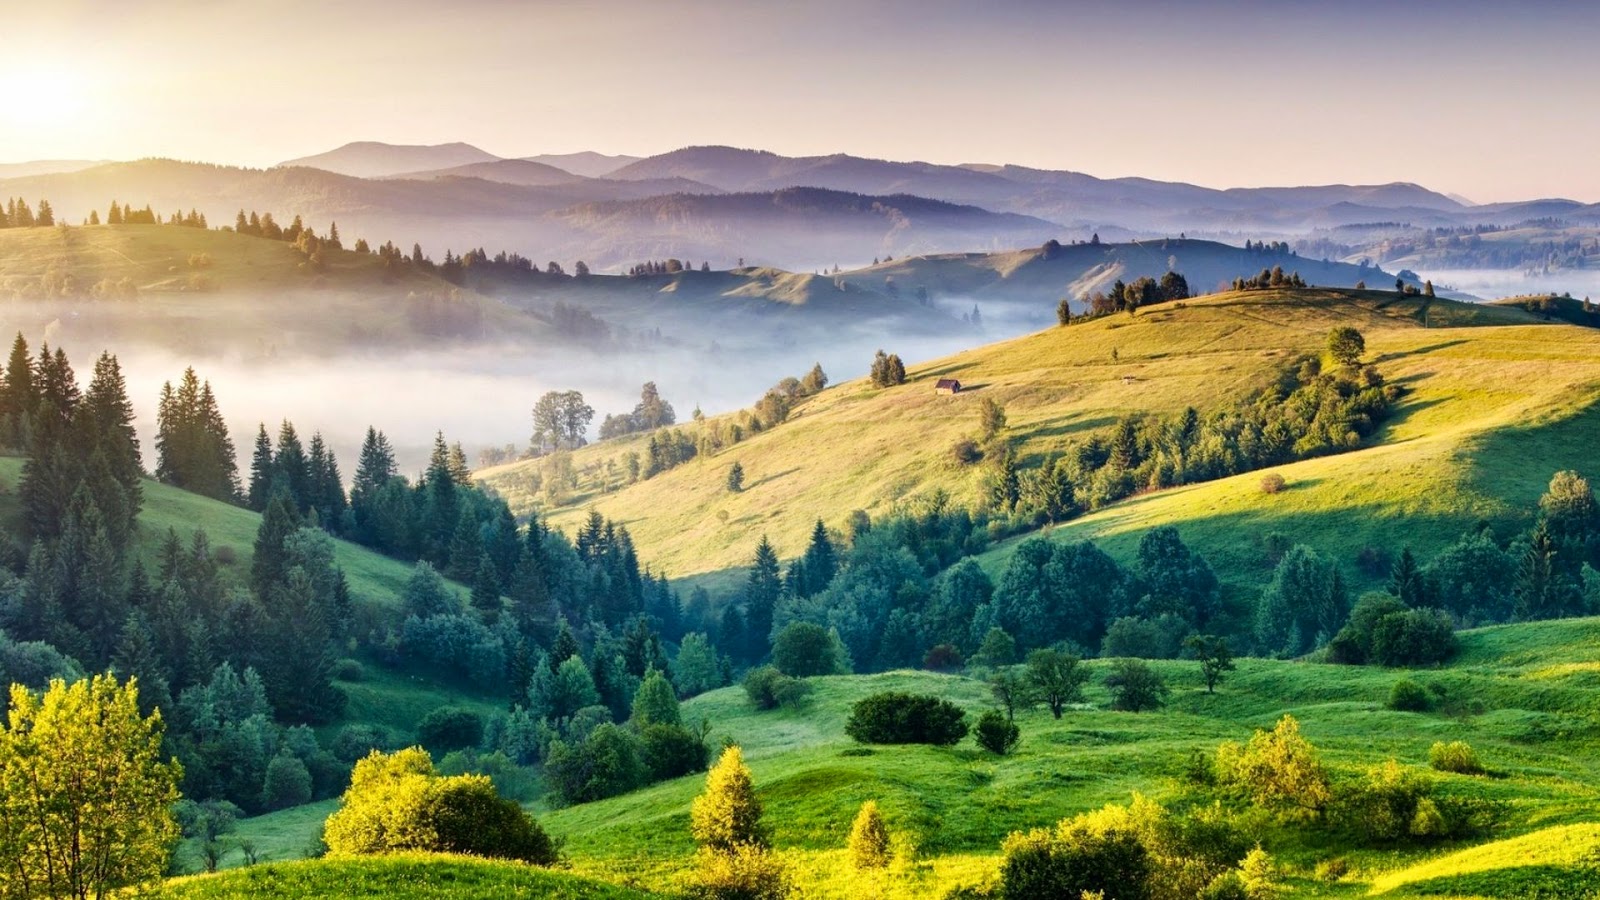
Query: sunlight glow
x=42, y=95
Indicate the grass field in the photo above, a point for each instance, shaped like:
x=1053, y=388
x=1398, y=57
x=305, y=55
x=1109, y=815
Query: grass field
x=1522, y=695
x=402, y=877
x=1496, y=404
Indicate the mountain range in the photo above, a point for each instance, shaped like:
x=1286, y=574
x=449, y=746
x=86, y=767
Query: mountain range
x=727, y=205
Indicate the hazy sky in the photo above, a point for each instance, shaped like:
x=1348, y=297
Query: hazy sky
x=1492, y=100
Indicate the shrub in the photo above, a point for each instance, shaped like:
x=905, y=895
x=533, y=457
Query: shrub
x=1456, y=756
x=1417, y=637
x=747, y=872
x=670, y=751
x=1159, y=638
x=869, y=839
x=804, y=649
x=1271, y=483
x=1095, y=852
x=899, y=718
x=1383, y=808
x=942, y=658
x=997, y=734
x=225, y=555
x=608, y=762
x=966, y=452
x=510, y=780
x=769, y=689
x=1408, y=696
x=1331, y=870
x=450, y=728
x=1135, y=686
x=396, y=802
x=349, y=670
x=1277, y=769
x=287, y=783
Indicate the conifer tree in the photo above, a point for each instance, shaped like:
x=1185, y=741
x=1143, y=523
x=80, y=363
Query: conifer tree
x=761, y=592
x=269, y=568
x=486, y=589
x=728, y=815
x=261, y=471
x=19, y=395
x=869, y=839
x=821, y=563
x=291, y=469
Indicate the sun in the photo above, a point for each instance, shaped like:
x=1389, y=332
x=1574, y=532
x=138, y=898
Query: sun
x=42, y=95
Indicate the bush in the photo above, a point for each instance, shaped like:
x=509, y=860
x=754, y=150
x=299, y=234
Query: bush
x=349, y=670
x=287, y=783
x=610, y=761
x=1159, y=638
x=1271, y=483
x=1417, y=637
x=997, y=734
x=869, y=839
x=1277, y=769
x=769, y=689
x=354, y=742
x=1098, y=852
x=747, y=872
x=1135, y=686
x=966, y=452
x=804, y=649
x=898, y=718
x=510, y=780
x=1456, y=756
x=942, y=658
x=671, y=751
x=396, y=802
x=450, y=728
x=1408, y=696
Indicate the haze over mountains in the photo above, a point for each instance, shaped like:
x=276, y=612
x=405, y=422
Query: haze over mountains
x=725, y=205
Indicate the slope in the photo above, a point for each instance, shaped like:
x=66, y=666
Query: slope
x=1495, y=404
x=411, y=876
x=373, y=159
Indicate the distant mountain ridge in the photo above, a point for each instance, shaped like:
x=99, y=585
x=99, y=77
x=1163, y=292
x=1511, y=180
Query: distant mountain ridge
x=374, y=159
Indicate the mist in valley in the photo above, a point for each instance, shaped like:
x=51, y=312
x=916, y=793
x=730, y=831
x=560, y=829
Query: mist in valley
x=1492, y=284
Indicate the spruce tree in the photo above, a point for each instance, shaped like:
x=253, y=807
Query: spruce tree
x=291, y=469
x=261, y=471
x=486, y=589
x=821, y=563
x=761, y=592
x=466, y=548
x=270, y=567
x=727, y=816
x=19, y=396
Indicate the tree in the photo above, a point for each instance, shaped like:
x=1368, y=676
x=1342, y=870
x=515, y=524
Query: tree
x=893, y=717
x=1277, y=769
x=85, y=800
x=655, y=703
x=805, y=649
x=761, y=592
x=1346, y=345
x=261, y=471
x=728, y=815
x=1064, y=311
x=815, y=380
x=1135, y=687
x=991, y=419
x=997, y=734
x=1056, y=678
x=869, y=839
x=735, y=478
x=1406, y=581
x=1214, y=656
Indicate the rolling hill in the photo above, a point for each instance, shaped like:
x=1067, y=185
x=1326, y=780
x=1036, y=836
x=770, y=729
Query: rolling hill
x=586, y=163
x=373, y=159
x=1497, y=401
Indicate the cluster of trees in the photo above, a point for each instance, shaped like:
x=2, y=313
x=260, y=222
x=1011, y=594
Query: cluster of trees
x=887, y=370
x=664, y=267
x=652, y=412
x=1274, y=277
x=1128, y=297
x=1309, y=412
x=193, y=449
x=264, y=226
x=17, y=214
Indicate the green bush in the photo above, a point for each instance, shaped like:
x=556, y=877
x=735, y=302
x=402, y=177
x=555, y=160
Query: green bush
x=349, y=670
x=1135, y=687
x=997, y=734
x=397, y=802
x=1456, y=756
x=671, y=751
x=899, y=718
x=450, y=728
x=610, y=761
x=287, y=783
x=1408, y=696
x=803, y=649
x=769, y=688
x=1095, y=852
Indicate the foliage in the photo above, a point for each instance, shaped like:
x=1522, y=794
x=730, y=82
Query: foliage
x=1408, y=696
x=745, y=872
x=396, y=802
x=608, y=761
x=1278, y=770
x=1214, y=655
x=869, y=839
x=997, y=733
x=1056, y=678
x=1455, y=756
x=85, y=801
x=1100, y=852
x=1345, y=346
x=450, y=728
x=768, y=688
x=899, y=718
x=728, y=815
x=1135, y=687
x=804, y=649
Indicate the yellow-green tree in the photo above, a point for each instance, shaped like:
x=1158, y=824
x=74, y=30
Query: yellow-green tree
x=869, y=838
x=728, y=814
x=85, y=799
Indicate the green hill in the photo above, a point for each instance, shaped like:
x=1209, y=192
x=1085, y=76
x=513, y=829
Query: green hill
x=385, y=698
x=1496, y=401
x=1521, y=695
x=401, y=877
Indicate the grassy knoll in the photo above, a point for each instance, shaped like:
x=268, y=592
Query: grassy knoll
x=401, y=877
x=1522, y=695
x=1496, y=403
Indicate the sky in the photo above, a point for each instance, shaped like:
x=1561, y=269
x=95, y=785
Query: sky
x=1493, y=101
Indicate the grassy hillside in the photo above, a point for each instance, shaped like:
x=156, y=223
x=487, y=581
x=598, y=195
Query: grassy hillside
x=401, y=877
x=1497, y=401
x=201, y=291
x=1522, y=695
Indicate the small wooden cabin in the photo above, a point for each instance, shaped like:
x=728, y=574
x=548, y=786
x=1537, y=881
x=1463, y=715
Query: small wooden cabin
x=947, y=386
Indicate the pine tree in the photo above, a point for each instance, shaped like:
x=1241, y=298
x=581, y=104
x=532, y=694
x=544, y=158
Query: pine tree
x=735, y=477
x=466, y=547
x=270, y=567
x=136, y=657
x=460, y=472
x=19, y=395
x=486, y=589
x=869, y=839
x=761, y=592
x=261, y=471
x=301, y=682
x=821, y=563
x=325, y=486
x=291, y=469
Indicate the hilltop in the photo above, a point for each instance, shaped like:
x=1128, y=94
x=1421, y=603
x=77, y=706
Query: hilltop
x=1496, y=401
x=374, y=159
